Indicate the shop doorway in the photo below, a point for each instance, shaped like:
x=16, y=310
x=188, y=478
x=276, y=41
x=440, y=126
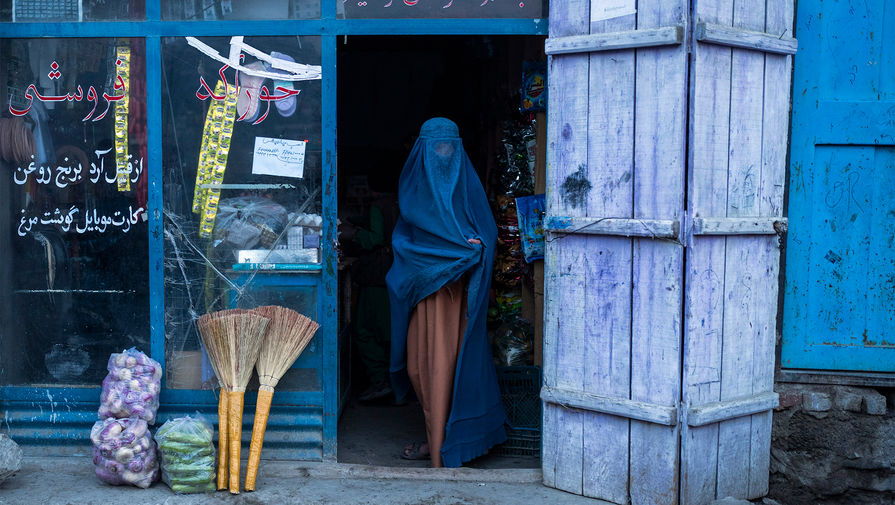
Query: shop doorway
x=388, y=86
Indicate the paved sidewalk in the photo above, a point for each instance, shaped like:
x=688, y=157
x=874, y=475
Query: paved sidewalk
x=71, y=481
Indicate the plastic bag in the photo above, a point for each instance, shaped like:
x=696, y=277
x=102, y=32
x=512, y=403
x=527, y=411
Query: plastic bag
x=509, y=262
x=244, y=222
x=187, y=454
x=124, y=452
x=531, y=225
x=514, y=343
x=515, y=161
x=131, y=389
x=534, y=86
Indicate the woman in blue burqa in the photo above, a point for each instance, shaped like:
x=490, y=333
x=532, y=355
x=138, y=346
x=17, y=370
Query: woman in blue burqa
x=438, y=286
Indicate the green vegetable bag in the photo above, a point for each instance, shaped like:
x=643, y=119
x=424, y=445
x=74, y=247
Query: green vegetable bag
x=187, y=454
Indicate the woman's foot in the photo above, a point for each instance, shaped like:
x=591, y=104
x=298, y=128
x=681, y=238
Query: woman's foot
x=416, y=451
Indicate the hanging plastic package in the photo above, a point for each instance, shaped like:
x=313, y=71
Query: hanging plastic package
x=216, y=178
x=245, y=221
x=210, y=140
x=131, y=389
x=530, y=210
x=187, y=454
x=121, y=111
x=534, y=86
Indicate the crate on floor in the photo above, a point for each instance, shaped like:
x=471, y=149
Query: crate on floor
x=520, y=388
x=521, y=442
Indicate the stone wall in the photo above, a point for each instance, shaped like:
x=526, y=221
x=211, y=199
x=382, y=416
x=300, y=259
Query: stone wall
x=833, y=445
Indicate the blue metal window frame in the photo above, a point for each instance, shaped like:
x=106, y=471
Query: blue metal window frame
x=329, y=28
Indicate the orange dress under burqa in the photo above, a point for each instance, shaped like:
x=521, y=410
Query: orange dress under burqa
x=434, y=338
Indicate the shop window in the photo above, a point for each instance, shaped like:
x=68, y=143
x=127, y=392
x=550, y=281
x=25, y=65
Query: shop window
x=242, y=189
x=73, y=200
x=24, y=11
x=212, y=10
x=419, y=9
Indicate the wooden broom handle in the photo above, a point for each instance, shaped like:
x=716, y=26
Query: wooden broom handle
x=234, y=426
x=262, y=411
x=223, y=439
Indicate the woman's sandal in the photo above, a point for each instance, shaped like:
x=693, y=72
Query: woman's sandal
x=414, y=451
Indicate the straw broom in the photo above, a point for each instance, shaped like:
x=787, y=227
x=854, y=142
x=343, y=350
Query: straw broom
x=213, y=333
x=245, y=334
x=288, y=333
x=213, y=339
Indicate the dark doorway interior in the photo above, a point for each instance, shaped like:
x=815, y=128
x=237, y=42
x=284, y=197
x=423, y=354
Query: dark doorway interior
x=388, y=86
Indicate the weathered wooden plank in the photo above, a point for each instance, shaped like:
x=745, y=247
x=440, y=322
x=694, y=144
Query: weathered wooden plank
x=654, y=37
x=775, y=136
x=656, y=369
x=742, y=297
x=738, y=225
x=567, y=282
x=622, y=227
x=729, y=409
x=659, y=170
x=569, y=17
x=606, y=359
x=567, y=127
x=704, y=299
x=711, y=33
x=623, y=407
x=609, y=160
x=742, y=272
x=549, y=413
x=766, y=271
x=570, y=151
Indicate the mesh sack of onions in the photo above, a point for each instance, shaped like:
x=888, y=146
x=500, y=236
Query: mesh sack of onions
x=124, y=452
x=131, y=389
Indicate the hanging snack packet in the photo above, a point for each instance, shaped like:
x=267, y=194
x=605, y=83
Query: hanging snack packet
x=187, y=454
x=131, y=389
x=124, y=452
x=531, y=211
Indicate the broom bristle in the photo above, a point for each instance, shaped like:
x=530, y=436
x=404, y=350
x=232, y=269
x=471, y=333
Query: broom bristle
x=246, y=336
x=232, y=339
x=288, y=333
x=215, y=341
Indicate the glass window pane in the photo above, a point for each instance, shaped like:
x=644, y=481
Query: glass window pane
x=212, y=10
x=409, y=9
x=242, y=184
x=73, y=189
x=24, y=11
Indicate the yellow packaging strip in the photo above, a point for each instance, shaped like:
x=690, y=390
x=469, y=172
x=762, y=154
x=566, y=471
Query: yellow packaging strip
x=205, y=166
x=213, y=195
x=211, y=150
x=121, y=110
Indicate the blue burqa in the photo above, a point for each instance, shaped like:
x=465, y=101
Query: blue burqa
x=442, y=206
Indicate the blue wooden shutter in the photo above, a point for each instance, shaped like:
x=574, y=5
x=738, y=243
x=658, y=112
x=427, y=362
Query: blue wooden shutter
x=644, y=361
x=839, y=307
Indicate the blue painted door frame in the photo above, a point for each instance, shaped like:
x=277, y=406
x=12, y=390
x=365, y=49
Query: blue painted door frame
x=839, y=306
x=58, y=419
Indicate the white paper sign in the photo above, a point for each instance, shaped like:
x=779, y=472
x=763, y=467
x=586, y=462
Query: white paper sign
x=282, y=157
x=607, y=9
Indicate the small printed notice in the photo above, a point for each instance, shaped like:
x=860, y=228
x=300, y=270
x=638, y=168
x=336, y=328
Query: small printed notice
x=281, y=157
x=601, y=10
